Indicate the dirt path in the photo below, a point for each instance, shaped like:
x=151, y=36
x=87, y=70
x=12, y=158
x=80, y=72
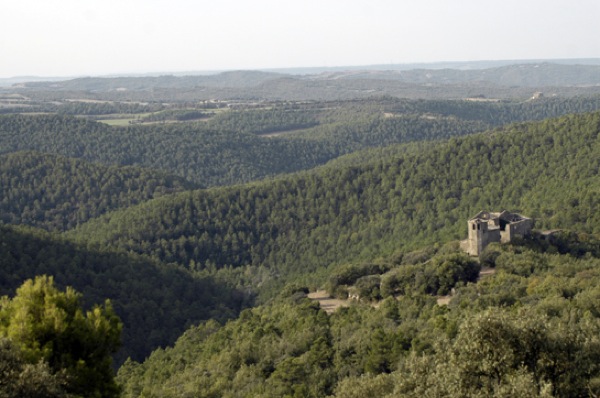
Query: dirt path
x=486, y=271
x=330, y=304
x=444, y=300
x=327, y=303
x=280, y=133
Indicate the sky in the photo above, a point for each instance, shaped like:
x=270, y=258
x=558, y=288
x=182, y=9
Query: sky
x=100, y=37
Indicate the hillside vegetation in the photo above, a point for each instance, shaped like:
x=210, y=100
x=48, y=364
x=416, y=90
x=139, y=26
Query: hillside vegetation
x=303, y=223
x=529, y=330
x=58, y=193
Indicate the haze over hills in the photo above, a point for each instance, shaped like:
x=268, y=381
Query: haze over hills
x=462, y=80
x=466, y=65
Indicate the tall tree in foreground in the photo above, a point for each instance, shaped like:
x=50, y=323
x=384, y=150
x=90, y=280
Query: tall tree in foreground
x=48, y=326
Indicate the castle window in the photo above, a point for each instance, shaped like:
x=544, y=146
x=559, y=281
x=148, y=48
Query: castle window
x=478, y=227
x=473, y=227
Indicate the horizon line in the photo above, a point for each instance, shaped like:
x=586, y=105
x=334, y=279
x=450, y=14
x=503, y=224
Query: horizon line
x=290, y=69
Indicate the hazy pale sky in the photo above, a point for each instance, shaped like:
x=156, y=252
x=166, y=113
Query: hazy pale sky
x=95, y=37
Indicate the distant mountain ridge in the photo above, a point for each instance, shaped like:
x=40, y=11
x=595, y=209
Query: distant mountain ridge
x=521, y=75
x=239, y=79
x=528, y=74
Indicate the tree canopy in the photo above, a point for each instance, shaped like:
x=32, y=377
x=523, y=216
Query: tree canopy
x=49, y=326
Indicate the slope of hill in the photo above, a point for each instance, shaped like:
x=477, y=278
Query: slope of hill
x=155, y=301
x=529, y=330
x=240, y=146
x=195, y=152
x=170, y=262
x=303, y=223
x=58, y=193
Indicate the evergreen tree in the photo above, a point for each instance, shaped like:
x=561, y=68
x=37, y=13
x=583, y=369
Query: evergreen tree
x=47, y=325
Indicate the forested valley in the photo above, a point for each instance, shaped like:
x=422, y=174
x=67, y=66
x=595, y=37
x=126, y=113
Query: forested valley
x=206, y=224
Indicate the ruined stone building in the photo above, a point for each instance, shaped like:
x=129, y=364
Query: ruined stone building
x=487, y=227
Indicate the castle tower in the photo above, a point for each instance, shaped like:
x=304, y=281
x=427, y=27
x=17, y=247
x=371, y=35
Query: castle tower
x=478, y=231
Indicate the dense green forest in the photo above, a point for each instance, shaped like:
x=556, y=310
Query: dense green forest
x=303, y=223
x=186, y=218
x=260, y=236
x=58, y=193
x=192, y=151
x=240, y=146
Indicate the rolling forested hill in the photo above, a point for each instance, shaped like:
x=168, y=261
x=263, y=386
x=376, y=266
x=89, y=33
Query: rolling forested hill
x=528, y=329
x=245, y=145
x=58, y=193
x=303, y=223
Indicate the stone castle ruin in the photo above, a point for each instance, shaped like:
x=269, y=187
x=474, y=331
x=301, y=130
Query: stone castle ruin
x=487, y=227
